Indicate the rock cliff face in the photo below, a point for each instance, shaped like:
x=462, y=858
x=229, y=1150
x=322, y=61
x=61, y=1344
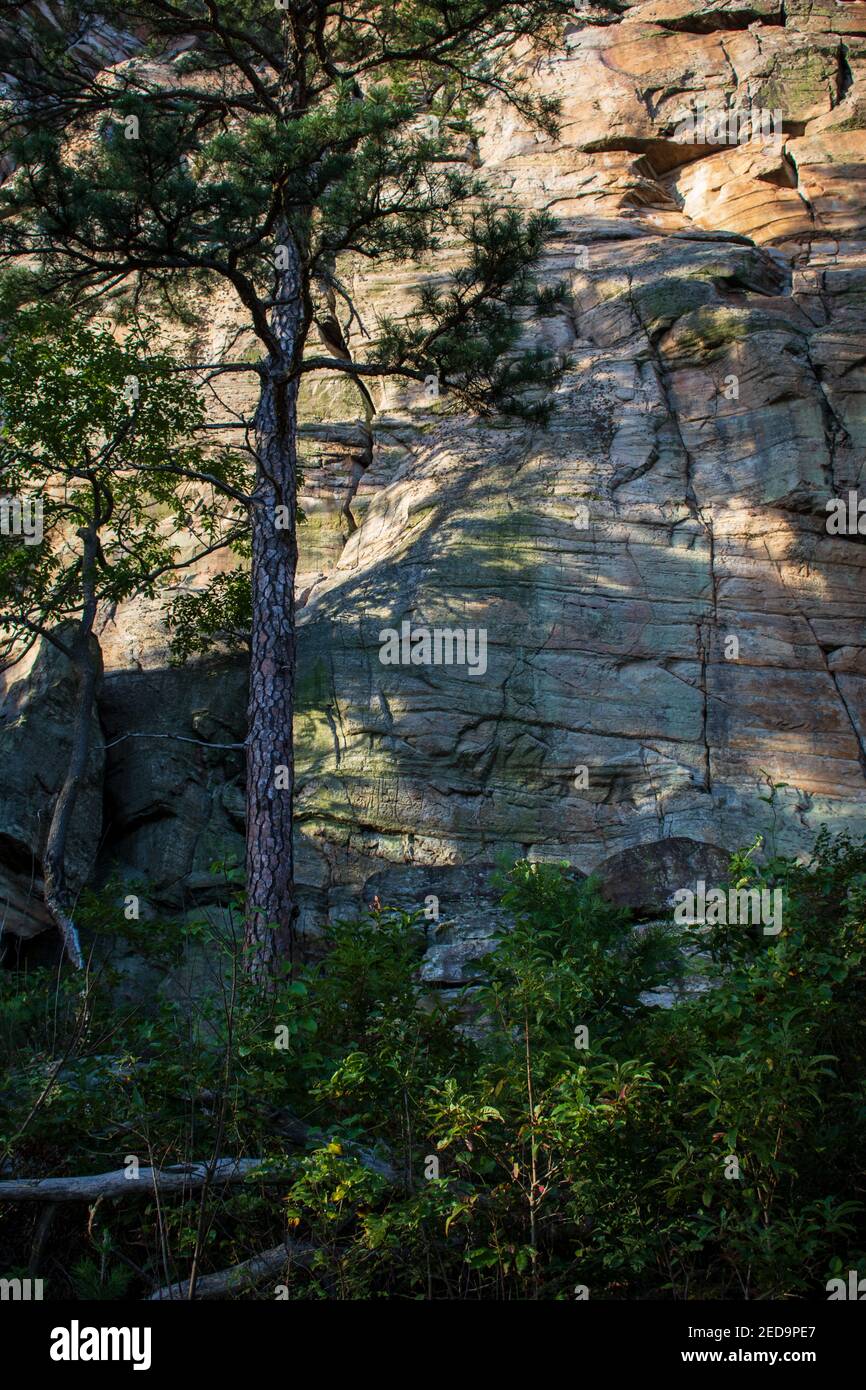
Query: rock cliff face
x=668, y=621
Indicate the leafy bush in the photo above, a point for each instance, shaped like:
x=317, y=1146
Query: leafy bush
x=547, y=1135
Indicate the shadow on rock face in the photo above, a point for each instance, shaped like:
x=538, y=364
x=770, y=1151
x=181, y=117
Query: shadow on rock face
x=462, y=913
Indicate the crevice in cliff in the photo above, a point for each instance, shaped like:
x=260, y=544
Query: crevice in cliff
x=791, y=164
x=730, y=62
x=329, y=715
x=783, y=177
x=844, y=75
x=706, y=624
x=663, y=156
x=622, y=479
x=18, y=858
x=659, y=810
x=835, y=432
x=705, y=635
x=723, y=21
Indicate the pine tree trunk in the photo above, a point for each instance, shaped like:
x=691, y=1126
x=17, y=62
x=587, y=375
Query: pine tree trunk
x=271, y=909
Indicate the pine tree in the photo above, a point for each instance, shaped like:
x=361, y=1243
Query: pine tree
x=254, y=144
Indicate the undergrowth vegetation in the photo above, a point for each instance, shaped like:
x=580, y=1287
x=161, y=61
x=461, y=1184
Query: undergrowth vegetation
x=548, y=1134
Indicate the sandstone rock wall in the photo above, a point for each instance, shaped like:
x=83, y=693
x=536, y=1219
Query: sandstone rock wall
x=713, y=403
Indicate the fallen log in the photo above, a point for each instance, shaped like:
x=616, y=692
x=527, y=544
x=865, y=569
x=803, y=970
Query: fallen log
x=246, y=1275
x=183, y=1177
x=179, y=1177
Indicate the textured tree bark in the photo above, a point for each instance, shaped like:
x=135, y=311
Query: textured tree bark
x=88, y=669
x=271, y=908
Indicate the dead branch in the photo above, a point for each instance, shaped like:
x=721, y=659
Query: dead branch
x=239, y=1277
x=180, y=1177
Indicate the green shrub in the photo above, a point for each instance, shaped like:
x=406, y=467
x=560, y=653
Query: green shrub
x=550, y=1133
